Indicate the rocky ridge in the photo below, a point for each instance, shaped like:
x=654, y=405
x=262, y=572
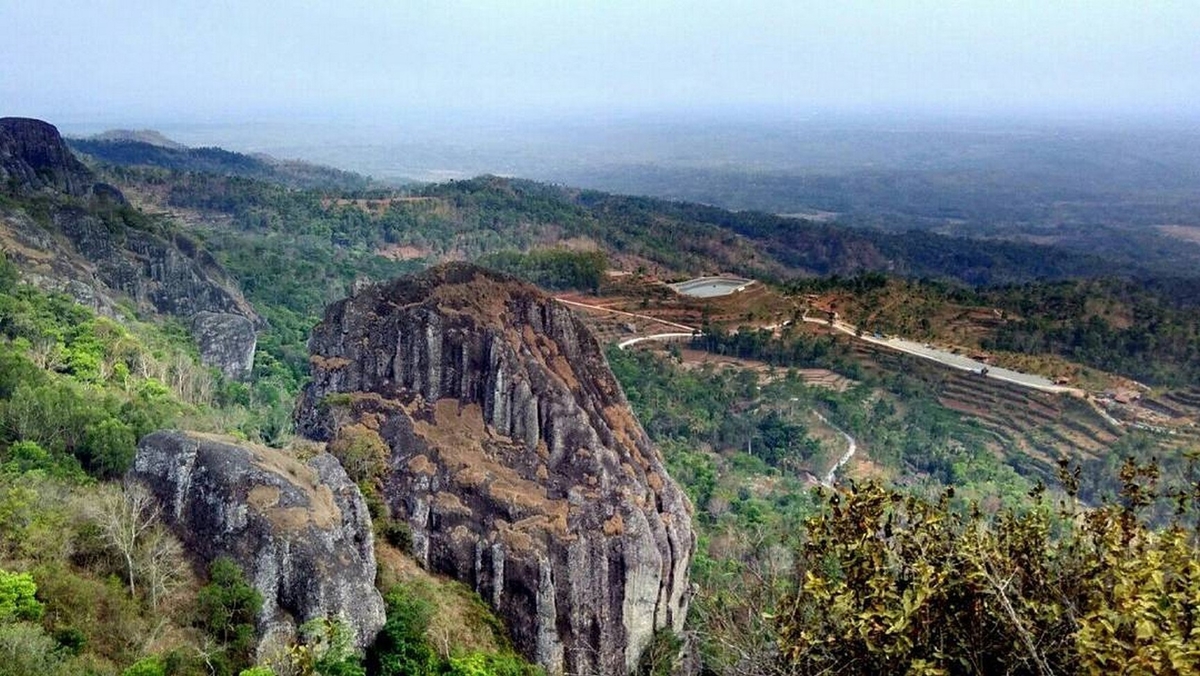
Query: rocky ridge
x=72, y=234
x=515, y=459
x=33, y=158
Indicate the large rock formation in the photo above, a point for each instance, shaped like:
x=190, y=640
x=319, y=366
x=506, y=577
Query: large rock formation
x=82, y=242
x=33, y=157
x=299, y=530
x=514, y=458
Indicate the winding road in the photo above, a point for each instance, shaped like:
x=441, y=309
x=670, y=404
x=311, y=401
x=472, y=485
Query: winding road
x=851, y=449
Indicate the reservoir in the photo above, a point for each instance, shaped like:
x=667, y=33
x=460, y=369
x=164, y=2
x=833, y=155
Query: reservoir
x=709, y=287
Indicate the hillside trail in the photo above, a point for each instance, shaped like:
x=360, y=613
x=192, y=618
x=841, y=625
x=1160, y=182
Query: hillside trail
x=851, y=449
x=601, y=308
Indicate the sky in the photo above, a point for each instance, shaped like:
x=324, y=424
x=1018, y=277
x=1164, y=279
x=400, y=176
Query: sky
x=148, y=61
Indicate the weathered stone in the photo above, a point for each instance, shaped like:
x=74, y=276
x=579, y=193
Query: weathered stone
x=33, y=157
x=83, y=245
x=299, y=530
x=226, y=341
x=515, y=459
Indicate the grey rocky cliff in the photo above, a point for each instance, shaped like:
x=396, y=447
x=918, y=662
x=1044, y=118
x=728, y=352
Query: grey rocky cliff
x=227, y=341
x=514, y=458
x=82, y=244
x=299, y=530
x=34, y=157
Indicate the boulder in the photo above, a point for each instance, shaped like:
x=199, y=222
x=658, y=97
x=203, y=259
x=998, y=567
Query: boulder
x=515, y=459
x=299, y=529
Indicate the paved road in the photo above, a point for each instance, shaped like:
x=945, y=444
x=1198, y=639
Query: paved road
x=952, y=360
x=944, y=357
x=657, y=336
x=601, y=308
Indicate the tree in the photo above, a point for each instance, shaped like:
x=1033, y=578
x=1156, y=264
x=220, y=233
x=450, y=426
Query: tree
x=227, y=608
x=125, y=517
x=17, y=597
x=892, y=583
x=325, y=650
x=160, y=563
x=109, y=447
x=401, y=648
x=8, y=274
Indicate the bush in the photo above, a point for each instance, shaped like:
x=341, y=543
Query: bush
x=227, y=608
x=401, y=648
x=26, y=650
x=896, y=584
x=17, y=597
x=147, y=666
x=109, y=447
x=483, y=664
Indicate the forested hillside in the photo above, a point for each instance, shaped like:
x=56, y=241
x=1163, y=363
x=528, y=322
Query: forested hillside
x=169, y=155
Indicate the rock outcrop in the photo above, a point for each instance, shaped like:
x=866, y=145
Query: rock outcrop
x=82, y=242
x=34, y=157
x=515, y=459
x=299, y=530
x=227, y=341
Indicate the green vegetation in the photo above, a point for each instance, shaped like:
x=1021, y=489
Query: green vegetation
x=864, y=579
x=226, y=608
x=218, y=161
x=1142, y=330
x=889, y=582
x=552, y=269
x=403, y=647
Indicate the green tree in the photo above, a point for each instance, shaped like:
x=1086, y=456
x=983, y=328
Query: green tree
x=8, y=274
x=401, y=648
x=227, y=608
x=108, y=447
x=892, y=583
x=18, y=600
x=147, y=666
x=325, y=650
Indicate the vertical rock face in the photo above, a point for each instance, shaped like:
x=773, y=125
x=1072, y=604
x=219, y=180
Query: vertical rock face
x=514, y=458
x=227, y=341
x=299, y=530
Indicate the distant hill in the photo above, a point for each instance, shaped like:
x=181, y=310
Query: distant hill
x=150, y=148
x=151, y=136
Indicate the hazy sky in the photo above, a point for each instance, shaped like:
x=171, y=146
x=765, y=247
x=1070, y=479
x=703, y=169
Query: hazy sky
x=211, y=60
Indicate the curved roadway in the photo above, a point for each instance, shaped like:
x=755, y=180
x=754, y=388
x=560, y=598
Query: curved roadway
x=952, y=360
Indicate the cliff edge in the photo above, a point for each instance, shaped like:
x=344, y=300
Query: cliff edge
x=514, y=458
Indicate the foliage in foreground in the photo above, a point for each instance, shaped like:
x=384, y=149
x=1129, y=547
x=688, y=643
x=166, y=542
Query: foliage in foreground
x=402, y=647
x=892, y=583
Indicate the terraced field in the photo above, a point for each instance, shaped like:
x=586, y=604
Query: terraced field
x=1040, y=427
x=1031, y=430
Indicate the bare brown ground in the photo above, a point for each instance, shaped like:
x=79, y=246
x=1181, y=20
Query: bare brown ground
x=1187, y=233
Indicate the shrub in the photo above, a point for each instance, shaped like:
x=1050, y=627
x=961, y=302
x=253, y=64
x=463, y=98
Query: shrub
x=147, y=666
x=227, y=607
x=401, y=648
x=17, y=597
